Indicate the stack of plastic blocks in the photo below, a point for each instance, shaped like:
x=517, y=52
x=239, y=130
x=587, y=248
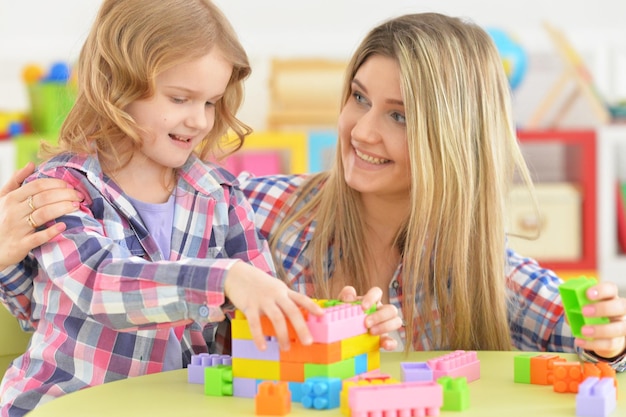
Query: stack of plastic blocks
x=197, y=368
x=342, y=348
x=571, y=377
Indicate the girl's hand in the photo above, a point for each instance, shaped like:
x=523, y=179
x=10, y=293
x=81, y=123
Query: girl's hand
x=257, y=293
x=34, y=204
x=607, y=340
x=384, y=320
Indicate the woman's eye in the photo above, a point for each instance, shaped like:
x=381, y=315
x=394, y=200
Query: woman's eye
x=178, y=100
x=398, y=117
x=358, y=97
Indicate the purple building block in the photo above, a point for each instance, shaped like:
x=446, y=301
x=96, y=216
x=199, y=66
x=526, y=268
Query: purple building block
x=596, y=397
x=244, y=387
x=416, y=371
x=244, y=348
x=195, y=370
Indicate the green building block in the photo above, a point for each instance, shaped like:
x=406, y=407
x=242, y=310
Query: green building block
x=573, y=294
x=521, y=368
x=342, y=369
x=218, y=381
x=455, y=393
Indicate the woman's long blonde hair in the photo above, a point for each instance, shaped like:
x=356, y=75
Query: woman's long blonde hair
x=463, y=154
x=129, y=44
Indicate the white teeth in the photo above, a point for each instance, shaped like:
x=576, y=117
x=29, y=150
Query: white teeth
x=370, y=159
x=178, y=138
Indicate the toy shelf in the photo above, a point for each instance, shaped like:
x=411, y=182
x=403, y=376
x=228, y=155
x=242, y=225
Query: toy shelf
x=612, y=164
x=567, y=156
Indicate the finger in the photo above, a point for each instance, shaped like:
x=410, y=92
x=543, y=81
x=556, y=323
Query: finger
x=372, y=298
x=17, y=179
x=305, y=302
x=603, y=291
x=388, y=343
x=43, y=185
x=347, y=294
x=614, y=309
x=606, y=348
x=277, y=318
x=386, y=326
x=616, y=329
x=56, y=195
x=41, y=237
x=53, y=211
x=254, y=323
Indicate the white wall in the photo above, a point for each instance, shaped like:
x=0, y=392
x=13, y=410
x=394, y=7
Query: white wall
x=43, y=31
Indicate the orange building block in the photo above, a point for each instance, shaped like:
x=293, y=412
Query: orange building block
x=322, y=353
x=292, y=371
x=599, y=370
x=273, y=399
x=542, y=369
x=567, y=376
x=268, y=328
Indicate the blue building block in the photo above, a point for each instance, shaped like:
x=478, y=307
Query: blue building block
x=321, y=393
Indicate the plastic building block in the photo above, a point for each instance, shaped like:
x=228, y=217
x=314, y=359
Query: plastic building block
x=573, y=294
x=357, y=345
x=256, y=369
x=360, y=364
x=416, y=371
x=341, y=369
x=596, y=397
x=371, y=378
x=244, y=387
x=521, y=368
x=195, y=370
x=313, y=353
x=272, y=399
x=567, y=376
x=240, y=329
x=418, y=398
x=456, y=364
x=542, y=369
x=244, y=348
x=455, y=393
x=268, y=328
x=321, y=393
x=296, y=391
x=292, y=371
x=218, y=381
x=337, y=323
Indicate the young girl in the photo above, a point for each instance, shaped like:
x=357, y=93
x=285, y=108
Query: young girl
x=162, y=240
x=415, y=202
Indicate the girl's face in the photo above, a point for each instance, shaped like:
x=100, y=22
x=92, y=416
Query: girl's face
x=182, y=110
x=372, y=131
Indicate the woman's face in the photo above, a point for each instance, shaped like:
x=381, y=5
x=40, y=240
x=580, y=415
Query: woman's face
x=372, y=131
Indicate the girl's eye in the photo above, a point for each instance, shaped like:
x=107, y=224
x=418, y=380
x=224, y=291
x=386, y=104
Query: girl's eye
x=178, y=100
x=398, y=117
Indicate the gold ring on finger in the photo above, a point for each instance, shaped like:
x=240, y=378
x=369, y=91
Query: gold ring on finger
x=31, y=204
x=32, y=222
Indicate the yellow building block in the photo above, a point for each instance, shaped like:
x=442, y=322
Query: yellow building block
x=256, y=369
x=358, y=345
x=373, y=360
x=239, y=329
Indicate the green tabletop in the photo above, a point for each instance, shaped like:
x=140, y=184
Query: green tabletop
x=169, y=394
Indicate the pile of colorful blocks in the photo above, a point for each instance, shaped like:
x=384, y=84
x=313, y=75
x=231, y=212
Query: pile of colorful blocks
x=339, y=370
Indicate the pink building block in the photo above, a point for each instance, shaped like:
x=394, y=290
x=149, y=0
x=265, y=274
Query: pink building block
x=456, y=364
x=419, y=398
x=338, y=322
x=596, y=397
x=369, y=376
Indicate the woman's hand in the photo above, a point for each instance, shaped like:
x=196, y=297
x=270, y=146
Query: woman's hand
x=257, y=293
x=24, y=209
x=605, y=340
x=384, y=320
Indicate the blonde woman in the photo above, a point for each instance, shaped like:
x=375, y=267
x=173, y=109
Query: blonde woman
x=414, y=205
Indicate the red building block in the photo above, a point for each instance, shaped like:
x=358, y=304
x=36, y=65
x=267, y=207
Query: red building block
x=273, y=399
